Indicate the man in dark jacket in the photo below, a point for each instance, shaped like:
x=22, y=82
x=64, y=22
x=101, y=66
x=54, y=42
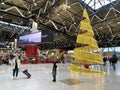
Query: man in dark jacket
x=114, y=61
x=104, y=60
x=54, y=71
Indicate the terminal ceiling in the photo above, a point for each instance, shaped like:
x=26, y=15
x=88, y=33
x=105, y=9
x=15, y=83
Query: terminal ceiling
x=63, y=17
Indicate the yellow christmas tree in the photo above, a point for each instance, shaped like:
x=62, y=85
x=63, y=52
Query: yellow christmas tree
x=85, y=46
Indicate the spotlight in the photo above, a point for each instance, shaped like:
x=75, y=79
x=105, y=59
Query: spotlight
x=58, y=14
x=68, y=6
x=74, y=22
x=35, y=4
x=29, y=12
x=118, y=22
x=2, y=3
x=1, y=16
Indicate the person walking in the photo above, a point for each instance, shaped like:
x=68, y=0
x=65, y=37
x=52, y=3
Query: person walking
x=16, y=66
x=54, y=71
x=104, y=60
x=114, y=61
x=110, y=61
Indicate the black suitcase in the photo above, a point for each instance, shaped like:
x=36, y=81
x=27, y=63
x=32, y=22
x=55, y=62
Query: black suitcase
x=26, y=73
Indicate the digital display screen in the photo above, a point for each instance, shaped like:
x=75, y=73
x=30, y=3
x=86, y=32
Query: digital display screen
x=30, y=38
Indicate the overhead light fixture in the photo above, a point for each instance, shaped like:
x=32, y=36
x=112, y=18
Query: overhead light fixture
x=35, y=4
x=1, y=16
x=29, y=12
x=68, y=6
x=58, y=14
x=118, y=22
x=21, y=22
x=74, y=22
x=49, y=20
x=110, y=22
x=2, y=3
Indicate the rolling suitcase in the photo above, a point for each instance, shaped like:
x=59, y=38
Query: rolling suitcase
x=26, y=73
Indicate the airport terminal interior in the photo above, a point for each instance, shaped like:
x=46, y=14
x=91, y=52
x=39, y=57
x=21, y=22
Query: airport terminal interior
x=59, y=44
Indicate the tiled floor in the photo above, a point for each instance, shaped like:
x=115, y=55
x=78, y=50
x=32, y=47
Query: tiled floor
x=42, y=79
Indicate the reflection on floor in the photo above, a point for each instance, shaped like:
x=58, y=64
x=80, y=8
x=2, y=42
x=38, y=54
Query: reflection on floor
x=71, y=81
x=42, y=79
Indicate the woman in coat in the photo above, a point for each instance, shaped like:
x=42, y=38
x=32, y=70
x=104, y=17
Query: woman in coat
x=16, y=66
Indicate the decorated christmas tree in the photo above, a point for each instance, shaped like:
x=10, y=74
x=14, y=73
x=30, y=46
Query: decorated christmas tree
x=84, y=53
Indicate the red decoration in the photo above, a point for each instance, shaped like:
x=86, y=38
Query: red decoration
x=86, y=65
x=31, y=51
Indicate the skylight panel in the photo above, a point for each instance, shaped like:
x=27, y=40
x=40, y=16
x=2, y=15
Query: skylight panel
x=96, y=4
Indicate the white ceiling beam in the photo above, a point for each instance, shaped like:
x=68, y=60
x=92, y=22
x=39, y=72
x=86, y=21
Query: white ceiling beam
x=14, y=7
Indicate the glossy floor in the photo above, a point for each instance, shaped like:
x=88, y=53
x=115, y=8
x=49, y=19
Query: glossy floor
x=42, y=79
